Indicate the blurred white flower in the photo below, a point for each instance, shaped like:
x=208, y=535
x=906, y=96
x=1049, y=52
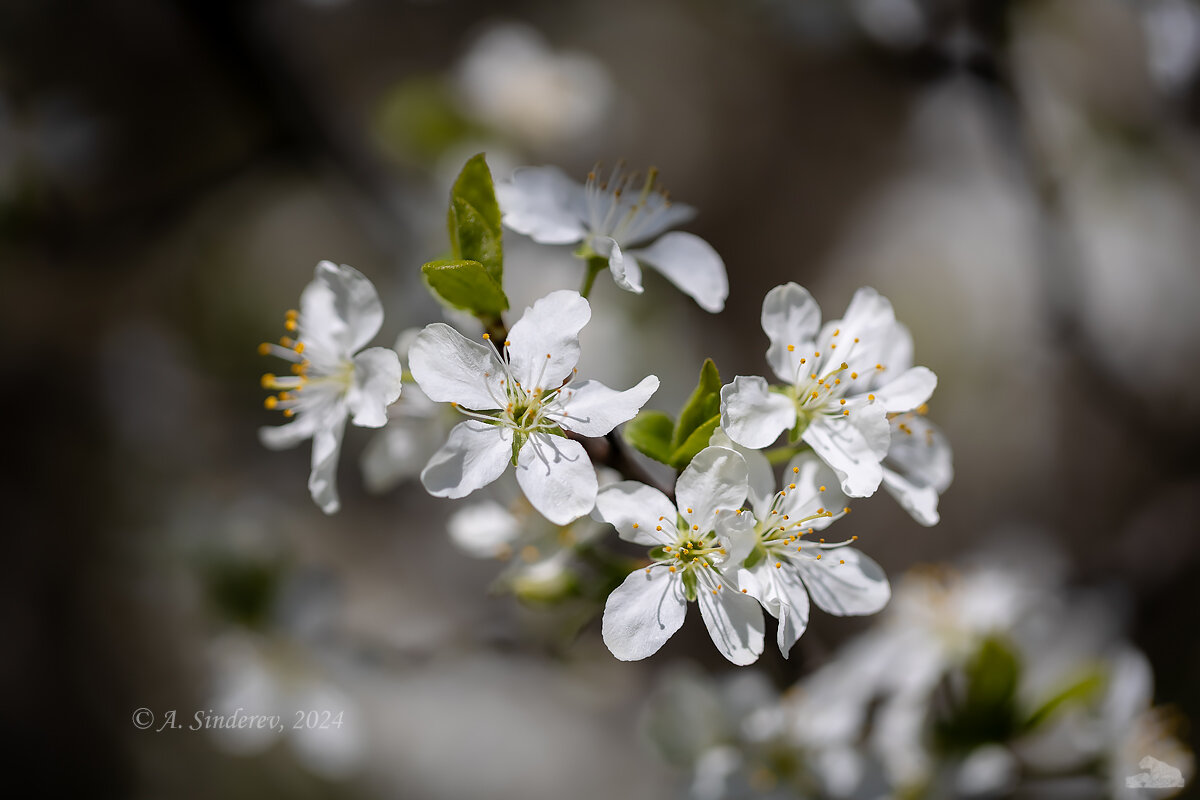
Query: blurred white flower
x=691, y=547
x=520, y=400
x=339, y=313
x=511, y=81
x=605, y=217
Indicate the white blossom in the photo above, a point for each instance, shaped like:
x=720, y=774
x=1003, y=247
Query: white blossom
x=520, y=399
x=789, y=562
x=331, y=380
x=696, y=550
x=607, y=217
x=839, y=384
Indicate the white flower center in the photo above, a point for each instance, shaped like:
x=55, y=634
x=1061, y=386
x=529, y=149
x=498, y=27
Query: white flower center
x=616, y=209
x=779, y=533
x=320, y=375
x=820, y=384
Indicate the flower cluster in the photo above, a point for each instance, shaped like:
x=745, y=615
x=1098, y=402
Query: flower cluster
x=732, y=536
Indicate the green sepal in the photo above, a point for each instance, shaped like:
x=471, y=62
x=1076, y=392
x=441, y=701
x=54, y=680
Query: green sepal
x=704, y=403
x=466, y=285
x=690, y=584
x=695, y=442
x=474, y=219
x=1084, y=688
x=518, y=442
x=650, y=432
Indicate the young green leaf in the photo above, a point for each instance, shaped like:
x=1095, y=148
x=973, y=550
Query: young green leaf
x=474, y=219
x=696, y=441
x=650, y=432
x=704, y=403
x=466, y=285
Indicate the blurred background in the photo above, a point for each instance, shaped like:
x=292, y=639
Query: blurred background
x=1019, y=177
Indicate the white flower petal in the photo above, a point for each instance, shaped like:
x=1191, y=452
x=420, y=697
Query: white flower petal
x=652, y=215
x=790, y=316
x=920, y=452
x=643, y=612
x=474, y=455
x=626, y=271
x=857, y=587
x=550, y=327
x=557, y=476
x=592, y=409
x=715, y=479
x=691, y=264
x=483, y=530
x=907, y=391
x=784, y=597
x=811, y=475
x=376, y=386
x=761, y=478
x=752, y=415
x=628, y=503
x=737, y=532
x=327, y=446
x=450, y=368
x=339, y=311
x=281, y=437
x=734, y=621
x=895, y=351
x=543, y=204
x=921, y=502
x=852, y=447
x=869, y=317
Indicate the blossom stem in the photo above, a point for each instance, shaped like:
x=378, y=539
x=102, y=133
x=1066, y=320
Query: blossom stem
x=782, y=455
x=595, y=265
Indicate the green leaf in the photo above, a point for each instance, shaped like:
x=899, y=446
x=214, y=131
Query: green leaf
x=466, y=285
x=650, y=432
x=698, y=440
x=700, y=407
x=474, y=219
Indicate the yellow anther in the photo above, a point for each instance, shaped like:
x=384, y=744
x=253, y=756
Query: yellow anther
x=821, y=489
x=871, y=398
x=647, y=570
x=714, y=591
x=292, y=313
x=799, y=548
x=264, y=349
x=695, y=527
x=791, y=348
x=821, y=511
x=837, y=381
x=791, y=486
x=879, y=366
x=833, y=347
x=267, y=380
x=822, y=541
x=853, y=376
x=922, y=409
x=836, y=332
x=299, y=348
x=507, y=343
x=635, y=525
x=846, y=510
x=689, y=511
x=287, y=412
x=290, y=325
x=804, y=361
x=487, y=337
x=818, y=558
x=846, y=413
x=668, y=547
x=671, y=568
x=854, y=538
x=743, y=591
x=841, y=561
x=796, y=470
x=842, y=401
x=785, y=516
x=778, y=564
x=547, y=355
x=658, y=527
x=817, y=355
x=814, y=395
x=856, y=340
x=271, y=402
